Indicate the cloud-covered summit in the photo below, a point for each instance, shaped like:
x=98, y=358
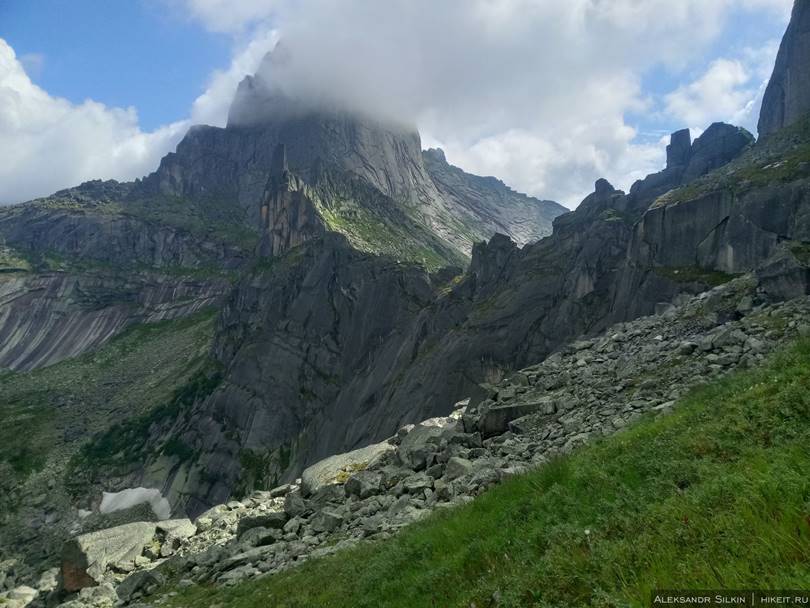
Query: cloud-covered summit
x=546, y=95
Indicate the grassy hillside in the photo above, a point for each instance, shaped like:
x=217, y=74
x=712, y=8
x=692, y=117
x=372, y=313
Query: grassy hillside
x=716, y=494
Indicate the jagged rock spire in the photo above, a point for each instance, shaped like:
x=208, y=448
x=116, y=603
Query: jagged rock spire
x=787, y=98
x=288, y=216
x=679, y=148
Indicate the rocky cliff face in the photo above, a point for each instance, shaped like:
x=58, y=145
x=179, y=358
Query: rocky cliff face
x=386, y=157
x=588, y=390
x=48, y=317
x=310, y=342
x=484, y=206
x=787, y=98
x=338, y=327
x=288, y=216
x=745, y=216
x=93, y=268
x=316, y=363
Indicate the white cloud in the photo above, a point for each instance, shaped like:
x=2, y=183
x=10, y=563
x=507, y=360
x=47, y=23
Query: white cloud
x=48, y=143
x=730, y=90
x=533, y=91
x=229, y=15
x=779, y=7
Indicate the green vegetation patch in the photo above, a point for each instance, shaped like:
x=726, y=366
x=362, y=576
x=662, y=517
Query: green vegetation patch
x=693, y=274
x=802, y=252
x=12, y=262
x=212, y=218
x=125, y=443
x=715, y=495
x=377, y=224
x=260, y=469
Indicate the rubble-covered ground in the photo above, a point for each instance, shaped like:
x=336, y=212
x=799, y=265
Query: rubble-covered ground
x=590, y=388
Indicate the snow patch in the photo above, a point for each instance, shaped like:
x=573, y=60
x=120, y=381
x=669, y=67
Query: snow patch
x=117, y=501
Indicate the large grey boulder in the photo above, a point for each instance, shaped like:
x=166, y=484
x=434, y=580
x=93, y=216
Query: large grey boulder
x=364, y=484
x=495, y=420
x=326, y=520
x=87, y=557
x=19, y=597
x=457, y=467
x=423, y=441
x=336, y=470
x=139, y=581
x=787, y=98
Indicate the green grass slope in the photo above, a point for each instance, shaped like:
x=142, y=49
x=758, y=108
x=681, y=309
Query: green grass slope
x=716, y=494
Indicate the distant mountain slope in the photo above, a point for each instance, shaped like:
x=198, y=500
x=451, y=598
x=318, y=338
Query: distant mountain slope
x=485, y=205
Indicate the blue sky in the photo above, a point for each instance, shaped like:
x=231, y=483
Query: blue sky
x=546, y=95
x=121, y=53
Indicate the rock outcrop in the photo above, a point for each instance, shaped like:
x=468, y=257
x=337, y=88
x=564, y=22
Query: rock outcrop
x=235, y=162
x=86, y=558
x=787, y=98
x=343, y=333
x=306, y=339
x=288, y=216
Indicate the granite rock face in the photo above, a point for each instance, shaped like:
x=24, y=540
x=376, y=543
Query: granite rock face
x=332, y=338
x=309, y=342
x=487, y=206
x=288, y=215
x=787, y=98
x=93, y=269
x=45, y=318
x=235, y=162
x=717, y=146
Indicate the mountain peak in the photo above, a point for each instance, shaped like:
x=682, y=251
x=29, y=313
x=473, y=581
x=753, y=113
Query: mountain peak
x=787, y=97
x=436, y=154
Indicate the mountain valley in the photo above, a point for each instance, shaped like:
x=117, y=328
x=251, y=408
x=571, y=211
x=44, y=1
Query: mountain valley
x=304, y=333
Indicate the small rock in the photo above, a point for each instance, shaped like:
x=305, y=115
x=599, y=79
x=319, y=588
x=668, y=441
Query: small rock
x=269, y=519
x=326, y=520
x=457, y=467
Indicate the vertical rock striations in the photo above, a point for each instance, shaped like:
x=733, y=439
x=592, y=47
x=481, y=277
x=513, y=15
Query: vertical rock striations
x=288, y=215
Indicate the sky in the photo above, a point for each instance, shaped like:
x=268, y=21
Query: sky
x=546, y=95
